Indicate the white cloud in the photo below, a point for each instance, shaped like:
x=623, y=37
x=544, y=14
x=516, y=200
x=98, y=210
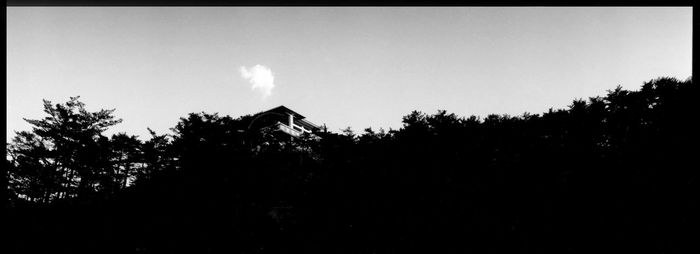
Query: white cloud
x=261, y=79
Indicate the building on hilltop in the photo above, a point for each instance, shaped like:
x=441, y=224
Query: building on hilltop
x=284, y=120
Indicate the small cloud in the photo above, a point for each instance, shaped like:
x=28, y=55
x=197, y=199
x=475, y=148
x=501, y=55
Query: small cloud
x=261, y=79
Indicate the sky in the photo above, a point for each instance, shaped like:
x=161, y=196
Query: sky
x=351, y=66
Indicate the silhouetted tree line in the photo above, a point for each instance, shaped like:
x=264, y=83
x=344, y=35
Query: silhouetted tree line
x=608, y=174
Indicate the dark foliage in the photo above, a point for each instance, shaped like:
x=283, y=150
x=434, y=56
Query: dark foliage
x=608, y=174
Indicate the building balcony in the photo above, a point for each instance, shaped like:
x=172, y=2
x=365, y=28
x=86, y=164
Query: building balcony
x=295, y=131
x=289, y=130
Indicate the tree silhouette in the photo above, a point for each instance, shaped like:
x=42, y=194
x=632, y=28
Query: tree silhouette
x=64, y=155
x=608, y=172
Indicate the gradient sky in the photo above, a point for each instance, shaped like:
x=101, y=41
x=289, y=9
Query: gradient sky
x=357, y=67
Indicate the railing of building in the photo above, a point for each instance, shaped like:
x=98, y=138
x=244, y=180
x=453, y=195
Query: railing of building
x=294, y=131
x=288, y=130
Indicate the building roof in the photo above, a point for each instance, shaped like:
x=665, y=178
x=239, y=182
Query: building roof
x=285, y=110
x=298, y=118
